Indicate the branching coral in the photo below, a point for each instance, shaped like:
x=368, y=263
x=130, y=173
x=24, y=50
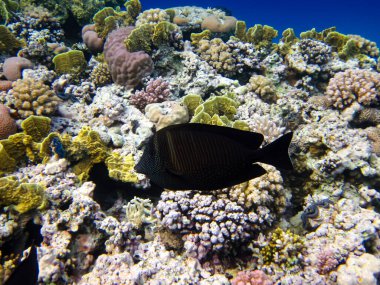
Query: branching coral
x=255, y=277
x=29, y=97
x=352, y=85
x=156, y=91
x=262, y=86
x=283, y=248
x=152, y=16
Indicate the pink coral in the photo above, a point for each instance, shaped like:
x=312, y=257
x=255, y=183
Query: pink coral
x=326, y=261
x=13, y=67
x=127, y=68
x=7, y=124
x=91, y=39
x=352, y=85
x=256, y=277
x=156, y=91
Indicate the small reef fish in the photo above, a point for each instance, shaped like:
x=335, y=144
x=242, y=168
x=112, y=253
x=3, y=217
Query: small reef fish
x=206, y=157
x=26, y=273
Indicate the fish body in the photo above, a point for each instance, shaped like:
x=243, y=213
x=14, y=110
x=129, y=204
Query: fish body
x=206, y=157
x=26, y=273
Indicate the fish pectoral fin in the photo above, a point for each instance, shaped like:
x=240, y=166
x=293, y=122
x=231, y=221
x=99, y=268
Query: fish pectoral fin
x=256, y=170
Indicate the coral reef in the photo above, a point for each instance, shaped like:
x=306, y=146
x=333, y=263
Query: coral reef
x=29, y=97
x=13, y=67
x=156, y=91
x=354, y=86
x=166, y=114
x=255, y=277
x=7, y=124
x=127, y=68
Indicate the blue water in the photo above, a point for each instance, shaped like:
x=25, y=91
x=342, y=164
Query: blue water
x=350, y=17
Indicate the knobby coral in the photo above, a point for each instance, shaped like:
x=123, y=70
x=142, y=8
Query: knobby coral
x=352, y=85
x=7, y=124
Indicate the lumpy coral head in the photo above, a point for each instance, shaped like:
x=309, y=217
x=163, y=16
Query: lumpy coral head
x=7, y=124
x=13, y=67
x=127, y=68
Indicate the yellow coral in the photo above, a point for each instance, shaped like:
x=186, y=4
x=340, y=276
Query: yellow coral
x=72, y=62
x=38, y=127
x=25, y=196
x=262, y=86
x=121, y=167
x=32, y=97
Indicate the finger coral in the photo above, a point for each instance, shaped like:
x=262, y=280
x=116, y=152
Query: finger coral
x=127, y=68
x=352, y=85
x=31, y=97
x=156, y=91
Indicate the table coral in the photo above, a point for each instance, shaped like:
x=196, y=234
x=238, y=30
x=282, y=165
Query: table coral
x=29, y=97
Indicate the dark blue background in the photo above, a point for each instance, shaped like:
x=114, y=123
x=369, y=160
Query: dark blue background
x=350, y=17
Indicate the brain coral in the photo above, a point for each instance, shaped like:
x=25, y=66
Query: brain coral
x=353, y=85
x=127, y=68
x=7, y=124
x=31, y=97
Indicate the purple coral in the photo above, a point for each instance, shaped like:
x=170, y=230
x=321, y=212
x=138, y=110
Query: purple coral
x=156, y=91
x=127, y=68
x=256, y=277
x=327, y=261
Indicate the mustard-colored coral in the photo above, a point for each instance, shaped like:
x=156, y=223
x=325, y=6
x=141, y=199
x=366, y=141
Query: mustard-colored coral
x=24, y=196
x=84, y=151
x=217, y=110
x=196, y=37
x=32, y=97
x=147, y=36
x=101, y=75
x=72, y=62
x=260, y=36
x=121, y=167
x=263, y=87
x=8, y=41
x=38, y=127
x=284, y=249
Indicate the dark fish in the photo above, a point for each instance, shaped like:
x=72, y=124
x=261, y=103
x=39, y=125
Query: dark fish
x=206, y=157
x=26, y=273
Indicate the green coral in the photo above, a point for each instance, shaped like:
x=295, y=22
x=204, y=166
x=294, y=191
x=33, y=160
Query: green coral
x=72, y=62
x=38, y=127
x=85, y=150
x=8, y=41
x=145, y=37
x=121, y=167
x=216, y=110
x=139, y=212
x=260, y=36
x=287, y=40
x=6, y=8
x=284, y=249
x=347, y=46
x=24, y=196
x=196, y=37
x=108, y=19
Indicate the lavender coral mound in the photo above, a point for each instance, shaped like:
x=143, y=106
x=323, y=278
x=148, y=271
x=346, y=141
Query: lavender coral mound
x=127, y=68
x=225, y=219
x=156, y=91
x=353, y=85
x=7, y=124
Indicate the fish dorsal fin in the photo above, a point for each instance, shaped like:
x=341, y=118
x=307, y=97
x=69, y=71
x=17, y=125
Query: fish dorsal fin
x=249, y=139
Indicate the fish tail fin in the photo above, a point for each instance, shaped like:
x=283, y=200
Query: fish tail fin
x=276, y=153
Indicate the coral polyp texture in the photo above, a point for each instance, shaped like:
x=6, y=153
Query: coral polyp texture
x=354, y=85
x=77, y=114
x=30, y=97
